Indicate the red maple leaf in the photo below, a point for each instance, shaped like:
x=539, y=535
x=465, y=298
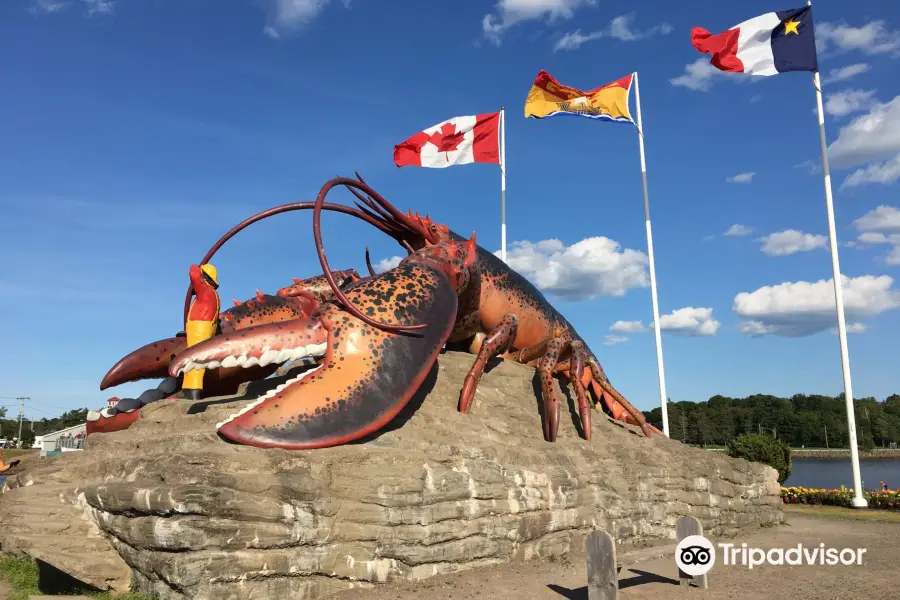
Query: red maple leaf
x=447, y=138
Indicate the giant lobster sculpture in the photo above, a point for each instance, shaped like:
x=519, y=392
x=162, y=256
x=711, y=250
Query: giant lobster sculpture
x=375, y=338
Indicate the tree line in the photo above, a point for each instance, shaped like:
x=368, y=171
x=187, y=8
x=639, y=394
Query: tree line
x=9, y=428
x=810, y=421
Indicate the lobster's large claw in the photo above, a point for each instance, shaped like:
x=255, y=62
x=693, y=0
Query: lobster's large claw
x=148, y=362
x=367, y=377
x=152, y=361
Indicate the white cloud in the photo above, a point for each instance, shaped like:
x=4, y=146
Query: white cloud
x=845, y=73
x=852, y=328
x=697, y=75
x=808, y=166
x=291, y=15
x=627, y=327
x=92, y=7
x=791, y=241
x=886, y=173
x=47, y=6
x=738, y=230
x=884, y=219
x=690, y=321
x=612, y=340
x=103, y=7
x=575, y=39
x=871, y=38
x=512, y=12
x=387, y=264
x=795, y=309
x=843, y=103
x=619, y=28
x=741, y=178
x=893, y=258
x=593, y=267
x=870, y=136
x=873, y=238
x=880, y=226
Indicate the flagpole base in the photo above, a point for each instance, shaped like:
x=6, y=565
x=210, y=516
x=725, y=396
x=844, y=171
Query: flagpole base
x=859, y=503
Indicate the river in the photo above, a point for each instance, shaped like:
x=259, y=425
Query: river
x=832, y=473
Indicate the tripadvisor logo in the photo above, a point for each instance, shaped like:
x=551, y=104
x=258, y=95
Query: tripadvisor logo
x=695, y=555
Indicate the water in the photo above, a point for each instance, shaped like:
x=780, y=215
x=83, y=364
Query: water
x=815, y=473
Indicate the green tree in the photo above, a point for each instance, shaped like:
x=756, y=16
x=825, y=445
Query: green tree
x=27, y=438
x=763, y=449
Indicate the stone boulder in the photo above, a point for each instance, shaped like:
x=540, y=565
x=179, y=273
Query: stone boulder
x=436, y=491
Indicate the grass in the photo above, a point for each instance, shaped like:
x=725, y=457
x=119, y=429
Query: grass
x=22, y=575
x=839, y=512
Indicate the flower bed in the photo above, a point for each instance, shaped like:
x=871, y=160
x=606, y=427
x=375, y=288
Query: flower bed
x=886, y=498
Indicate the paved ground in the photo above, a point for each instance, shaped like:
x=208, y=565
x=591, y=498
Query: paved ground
x=875, y=578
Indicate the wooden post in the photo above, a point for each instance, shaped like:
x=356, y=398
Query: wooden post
x=603, y=576
x=684, y=527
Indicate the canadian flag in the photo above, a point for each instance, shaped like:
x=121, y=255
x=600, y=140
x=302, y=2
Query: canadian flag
x=456, y=141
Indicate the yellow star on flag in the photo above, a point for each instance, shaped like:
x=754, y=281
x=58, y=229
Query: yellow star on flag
x=791, y=26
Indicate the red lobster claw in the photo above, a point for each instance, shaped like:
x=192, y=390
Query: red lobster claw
x=347, y=397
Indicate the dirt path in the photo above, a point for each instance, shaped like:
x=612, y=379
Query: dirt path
x=567, y=580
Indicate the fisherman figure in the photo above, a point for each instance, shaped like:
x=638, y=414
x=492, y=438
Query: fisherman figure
x=202, y=321
x=6, y=466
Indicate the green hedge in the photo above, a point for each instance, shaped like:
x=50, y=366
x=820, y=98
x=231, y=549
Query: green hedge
x=762, y=449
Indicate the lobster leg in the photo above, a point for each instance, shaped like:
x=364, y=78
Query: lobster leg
x=611, y=396
x=577, y=362
x=551, y=402
x=496, y=342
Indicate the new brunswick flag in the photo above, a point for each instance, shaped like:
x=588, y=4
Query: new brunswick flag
x=550, y=98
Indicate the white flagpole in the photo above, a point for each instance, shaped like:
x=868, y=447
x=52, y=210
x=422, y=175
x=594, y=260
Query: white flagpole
x=502, y=184
x=858, y=500
x=663, y=398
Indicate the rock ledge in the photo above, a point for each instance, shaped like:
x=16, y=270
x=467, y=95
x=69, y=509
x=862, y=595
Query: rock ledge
x=194, y=517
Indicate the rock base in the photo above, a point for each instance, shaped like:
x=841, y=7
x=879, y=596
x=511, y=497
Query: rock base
x=437, y=491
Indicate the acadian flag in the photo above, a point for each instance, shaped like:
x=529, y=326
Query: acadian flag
x=550, y=98
x=773, y=43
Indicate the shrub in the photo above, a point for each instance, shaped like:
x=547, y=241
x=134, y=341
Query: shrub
x=762, y=449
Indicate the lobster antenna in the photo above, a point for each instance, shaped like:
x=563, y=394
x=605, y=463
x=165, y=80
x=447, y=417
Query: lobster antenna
x=320, y=250
x=348, y=210
x=369, y=263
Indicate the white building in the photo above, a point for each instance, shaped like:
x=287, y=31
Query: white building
x=64, y=440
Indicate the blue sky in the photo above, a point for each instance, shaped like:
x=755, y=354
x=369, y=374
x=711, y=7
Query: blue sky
x=135, y=133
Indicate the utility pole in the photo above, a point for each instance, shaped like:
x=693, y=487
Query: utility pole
x=826, y=436
x=21, y=416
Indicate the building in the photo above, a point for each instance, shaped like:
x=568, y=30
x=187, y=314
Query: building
x=64, y=440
